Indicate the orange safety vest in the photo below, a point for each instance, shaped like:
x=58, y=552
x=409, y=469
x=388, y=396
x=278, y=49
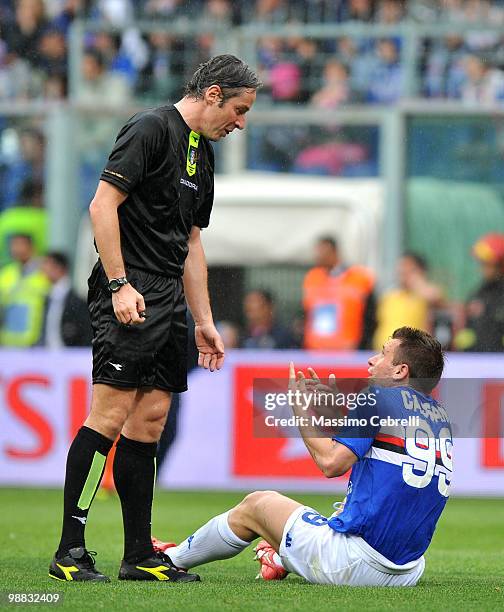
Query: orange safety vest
x=334, y=307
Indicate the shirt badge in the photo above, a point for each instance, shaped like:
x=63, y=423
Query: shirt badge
x=192, y=153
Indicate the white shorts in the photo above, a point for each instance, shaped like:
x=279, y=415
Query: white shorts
x=321, y=555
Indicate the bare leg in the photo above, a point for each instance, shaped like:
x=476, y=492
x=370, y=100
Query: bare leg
x=110, y=407
x=262, y=513
x=148, y=416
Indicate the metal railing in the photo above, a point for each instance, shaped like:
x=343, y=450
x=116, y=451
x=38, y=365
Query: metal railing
x=243, y=40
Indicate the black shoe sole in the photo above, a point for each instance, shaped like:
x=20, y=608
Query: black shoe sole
x=105, y=579
x=138, y=579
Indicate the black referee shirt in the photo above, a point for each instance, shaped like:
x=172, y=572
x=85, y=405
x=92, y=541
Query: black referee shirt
x=167, y=170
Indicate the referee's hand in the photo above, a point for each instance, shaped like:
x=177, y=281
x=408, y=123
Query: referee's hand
x=128, y=305
x=210, y=347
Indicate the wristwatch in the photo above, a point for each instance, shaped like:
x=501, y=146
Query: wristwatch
x=116, y=283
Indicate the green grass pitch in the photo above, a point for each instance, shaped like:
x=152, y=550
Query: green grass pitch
x=465, y=563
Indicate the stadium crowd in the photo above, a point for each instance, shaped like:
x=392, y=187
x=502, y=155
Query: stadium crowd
x=325, y=72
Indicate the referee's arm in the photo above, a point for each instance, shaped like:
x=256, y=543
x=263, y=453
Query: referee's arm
x=208, y=341
x=103, y=212
x=196, y=280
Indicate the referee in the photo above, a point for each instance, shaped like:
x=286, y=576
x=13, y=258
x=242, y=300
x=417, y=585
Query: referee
x=154, y=197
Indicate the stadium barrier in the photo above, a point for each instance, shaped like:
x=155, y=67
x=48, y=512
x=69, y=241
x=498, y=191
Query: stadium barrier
x=44, y=398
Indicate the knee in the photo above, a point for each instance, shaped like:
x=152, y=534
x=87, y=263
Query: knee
x=110, y=422
x=147, y=427
x=252, y=502
x=154, y=428
x=156, y=421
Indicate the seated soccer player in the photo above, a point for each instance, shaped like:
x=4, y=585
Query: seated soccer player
x=398, y=487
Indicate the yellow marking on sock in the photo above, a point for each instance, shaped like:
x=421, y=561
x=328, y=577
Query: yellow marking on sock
x=155, y=571
x=68, y=571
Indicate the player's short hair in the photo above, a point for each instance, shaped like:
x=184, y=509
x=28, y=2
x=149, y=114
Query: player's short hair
x=423, y=355
x=228, y=72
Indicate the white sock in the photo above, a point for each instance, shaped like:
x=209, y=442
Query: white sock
x=215, y=540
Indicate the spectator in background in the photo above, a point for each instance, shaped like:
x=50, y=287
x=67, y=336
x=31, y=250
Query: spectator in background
x=52, y=58
x=411, y=304
x=167, y=9
x=99, y=86
x=28, y=218
x=390, y=12
x=346, y=50
x=336, y=88
x=338, y=301
x=55, y=87
x=360, y=64
x=359, y=10
x=444, y=67
x=17, y=80
x=269, y=54
x=24, y=34
x=484, y=330
x=285, y=82
x=23, y=290
x=205, y=44
x=385, y=79
x=306, y=52
x=217, y=13
x=163, y=74
x=96, y=132
x=117, y=62
x=270, y=11
x=118, y=13
x=262, y=329
x=66, y=316
x=61, y=13
x=26, y=163
x=484, y=84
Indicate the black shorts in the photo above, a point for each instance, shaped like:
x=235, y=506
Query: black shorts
x=150, y=354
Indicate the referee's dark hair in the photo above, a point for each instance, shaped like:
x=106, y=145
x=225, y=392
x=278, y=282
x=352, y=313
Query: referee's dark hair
x=228, y=72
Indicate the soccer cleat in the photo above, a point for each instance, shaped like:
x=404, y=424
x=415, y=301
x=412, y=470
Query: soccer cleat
x=77, y=566
x=270, y=569
x=161, y=546
x=157, y=567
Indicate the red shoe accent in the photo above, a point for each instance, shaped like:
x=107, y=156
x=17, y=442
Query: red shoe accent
x=161, y=546
x=270, y=570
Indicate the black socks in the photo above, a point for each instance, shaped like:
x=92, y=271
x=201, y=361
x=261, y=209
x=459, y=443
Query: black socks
x=134, y=475
x=84, y=470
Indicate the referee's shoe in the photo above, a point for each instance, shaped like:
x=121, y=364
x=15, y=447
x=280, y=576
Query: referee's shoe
x=78, y=565
x=157, y=567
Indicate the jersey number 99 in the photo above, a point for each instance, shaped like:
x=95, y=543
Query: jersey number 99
x=434, y=453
